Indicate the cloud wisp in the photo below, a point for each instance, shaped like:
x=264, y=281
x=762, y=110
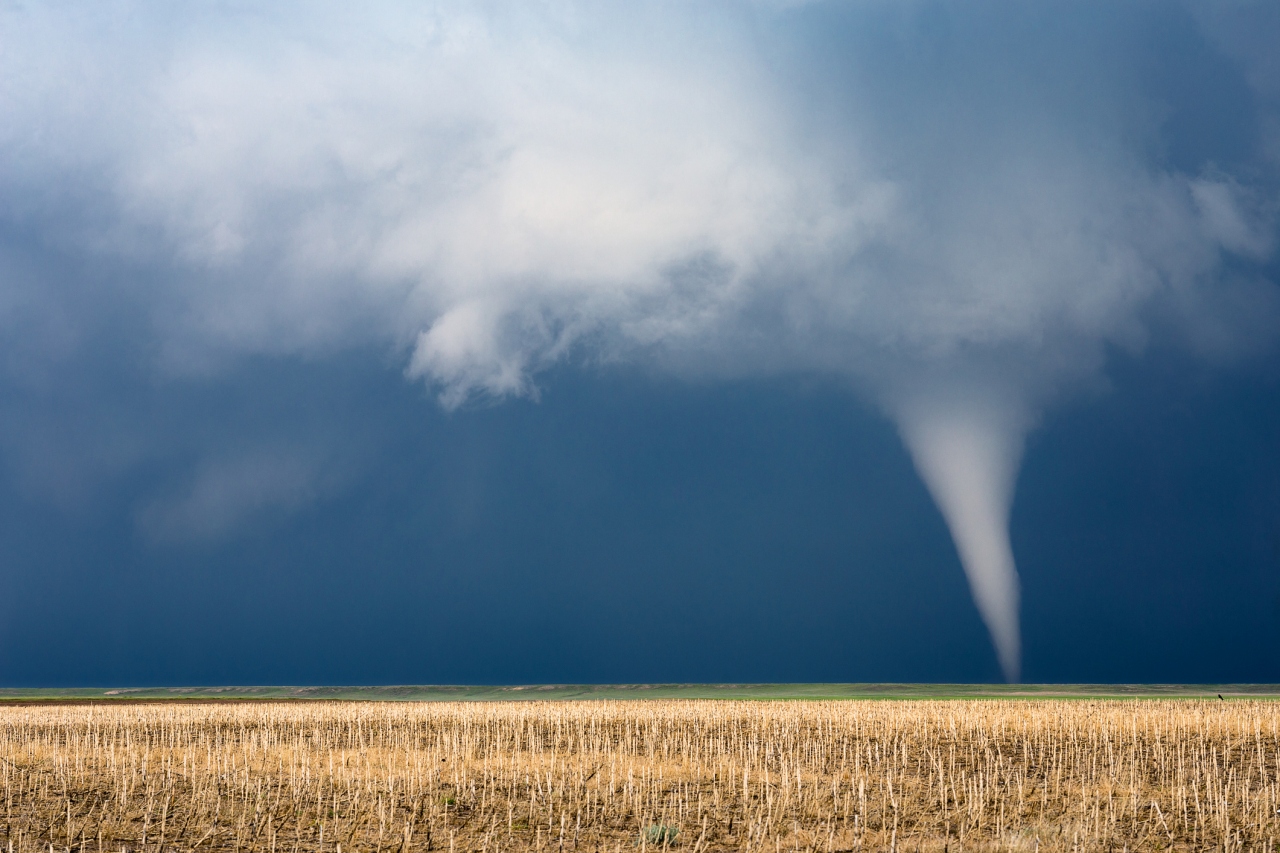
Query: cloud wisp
x=956, y=209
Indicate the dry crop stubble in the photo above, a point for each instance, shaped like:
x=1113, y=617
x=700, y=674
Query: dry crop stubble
x=600, y=775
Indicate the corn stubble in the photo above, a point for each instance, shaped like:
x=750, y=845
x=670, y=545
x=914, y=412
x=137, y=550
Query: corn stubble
x=1134, y=775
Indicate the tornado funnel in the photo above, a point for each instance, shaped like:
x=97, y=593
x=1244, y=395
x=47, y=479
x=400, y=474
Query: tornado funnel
x=967, y=453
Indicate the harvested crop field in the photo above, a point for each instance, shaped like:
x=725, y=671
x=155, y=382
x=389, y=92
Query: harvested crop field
x=601, y=775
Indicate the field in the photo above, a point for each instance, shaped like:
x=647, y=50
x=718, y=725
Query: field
x=1133, y=774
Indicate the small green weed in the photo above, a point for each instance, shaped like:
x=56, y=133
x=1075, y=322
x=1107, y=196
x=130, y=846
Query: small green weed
x=659, y=835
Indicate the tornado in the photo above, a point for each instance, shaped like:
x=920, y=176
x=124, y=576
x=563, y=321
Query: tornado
x=968, y=453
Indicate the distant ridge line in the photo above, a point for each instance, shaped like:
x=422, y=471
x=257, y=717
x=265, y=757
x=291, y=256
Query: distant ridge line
x=564, y=692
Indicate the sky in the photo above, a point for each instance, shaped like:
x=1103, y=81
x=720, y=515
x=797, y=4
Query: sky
x=503, y=342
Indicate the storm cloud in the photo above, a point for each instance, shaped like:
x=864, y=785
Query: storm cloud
x=957, y=210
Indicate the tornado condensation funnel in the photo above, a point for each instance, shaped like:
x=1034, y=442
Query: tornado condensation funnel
x=968, y=453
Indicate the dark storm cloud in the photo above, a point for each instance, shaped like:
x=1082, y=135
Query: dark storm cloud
x=959, y=209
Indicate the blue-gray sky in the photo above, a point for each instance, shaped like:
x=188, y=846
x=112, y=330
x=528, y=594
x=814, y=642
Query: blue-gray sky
x=731, y=341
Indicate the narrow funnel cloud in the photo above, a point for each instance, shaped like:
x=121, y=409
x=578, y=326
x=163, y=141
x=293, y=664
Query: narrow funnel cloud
x=967, y=453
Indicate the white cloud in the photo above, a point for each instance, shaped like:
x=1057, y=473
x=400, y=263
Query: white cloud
x=227, y=492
